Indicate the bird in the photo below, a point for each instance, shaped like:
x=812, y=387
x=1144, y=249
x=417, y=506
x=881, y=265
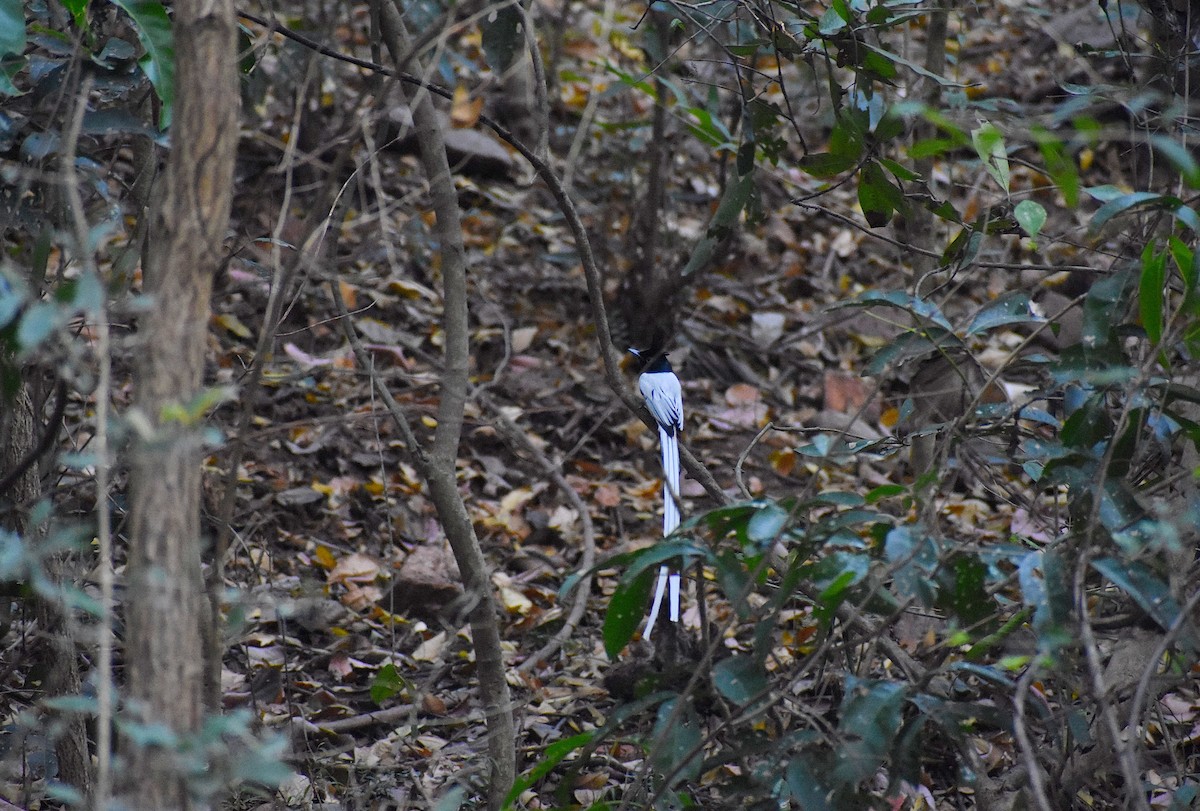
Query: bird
x=663, y=394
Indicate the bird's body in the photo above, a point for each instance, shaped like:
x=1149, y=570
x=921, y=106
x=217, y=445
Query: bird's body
x=664, y=397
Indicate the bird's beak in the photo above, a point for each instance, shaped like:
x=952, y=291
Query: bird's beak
x=632, y=356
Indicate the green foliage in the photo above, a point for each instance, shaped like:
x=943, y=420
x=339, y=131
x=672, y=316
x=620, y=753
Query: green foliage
x=1089, y=446
x=155, y=33
x=503, y=36
x=12, y=43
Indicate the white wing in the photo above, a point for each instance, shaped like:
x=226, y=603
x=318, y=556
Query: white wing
x=664, y=398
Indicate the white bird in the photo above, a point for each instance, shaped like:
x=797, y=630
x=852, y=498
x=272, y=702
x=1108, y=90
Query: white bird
x=664, y=397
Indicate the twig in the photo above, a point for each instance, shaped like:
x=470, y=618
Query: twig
x=1087, y=638
x=104, y=697
x=1033, y=769
x=737, y=468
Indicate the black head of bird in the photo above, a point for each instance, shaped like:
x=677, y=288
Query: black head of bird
x=649, y=361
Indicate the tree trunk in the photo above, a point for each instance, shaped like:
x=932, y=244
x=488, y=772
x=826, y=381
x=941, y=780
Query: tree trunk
x=18, y=422
x=165, y=604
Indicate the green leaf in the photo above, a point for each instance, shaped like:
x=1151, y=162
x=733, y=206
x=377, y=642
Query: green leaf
x=827, y=164
x=12, y=28
x=734, y=581
x=503, y=36
x=834, y=575
x=38, y=323
x=871, y=717
x=925, y=312
x=12, y=297
x=12, y=44
x=878, y=196
x=932, y=147
x=677, y=739
x=1151, y=292
x=1142, y=199
x=626, y=608
x=1059, y=165
x=78, y=9
x=899, y=170
x=155, y=32
x=740, y=679
x=1031, y=217
x=1147, y=590
x=967, y=598
x=766, y=524
x=1010, y=308
x=737, y=194
x=387, y=684
x=1105, y=306
x=1180, y=157
x=885, y=491
x=553, y=754
x=805, y=786
x=989, y=145
x=1044, y=588
x=913, y=66
x=914, y=556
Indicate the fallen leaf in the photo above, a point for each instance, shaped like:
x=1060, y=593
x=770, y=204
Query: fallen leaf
x=232, y=324
x=783, y=461
x=339, y=664
x=742, y=394
x=464, y=110
x=845, y=392
x=431, y=649
x=608, y=495
x=522, y=338
x=515, y=602
x=355, y=567
x=324, y=558
x=360, y=598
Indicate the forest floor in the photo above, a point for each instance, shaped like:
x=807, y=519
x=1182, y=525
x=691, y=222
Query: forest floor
x=350, y=640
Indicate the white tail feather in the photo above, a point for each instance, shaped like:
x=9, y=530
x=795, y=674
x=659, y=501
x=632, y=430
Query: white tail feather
x=670, y=462
x=674, y=604
x=659, y=590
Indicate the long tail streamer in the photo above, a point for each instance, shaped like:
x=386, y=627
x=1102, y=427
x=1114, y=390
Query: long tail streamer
x=670, y=463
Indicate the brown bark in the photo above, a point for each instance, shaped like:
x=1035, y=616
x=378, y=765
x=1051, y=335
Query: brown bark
x=17, y=449
x=165, y=607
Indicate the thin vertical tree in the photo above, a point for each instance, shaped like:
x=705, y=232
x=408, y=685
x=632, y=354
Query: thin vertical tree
x=166, y=602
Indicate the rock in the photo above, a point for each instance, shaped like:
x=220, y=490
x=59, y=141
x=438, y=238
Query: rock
x=427, y=582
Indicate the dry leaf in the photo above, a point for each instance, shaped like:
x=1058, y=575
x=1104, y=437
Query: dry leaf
x=608, y=495
x=845, y=392
x=339, y=664
x=431, y=649
x=355, y=567
x=324, y=558
x=522, y=338
x=783, y=461
x=514, y=601
x=464, y=111
x=742, y=394
x=360, y=598
x=232, y=324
